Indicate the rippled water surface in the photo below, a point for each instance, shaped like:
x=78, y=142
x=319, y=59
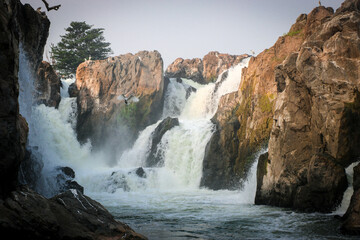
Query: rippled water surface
x=204, y=214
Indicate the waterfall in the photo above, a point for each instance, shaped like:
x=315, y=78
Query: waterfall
x=182, y=148
x=51, y=140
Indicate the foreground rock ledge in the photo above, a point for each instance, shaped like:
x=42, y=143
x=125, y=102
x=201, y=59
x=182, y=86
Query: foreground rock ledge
x=69, y=215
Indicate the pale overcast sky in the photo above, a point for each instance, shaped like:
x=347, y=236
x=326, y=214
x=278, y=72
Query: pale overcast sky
x=182, y=28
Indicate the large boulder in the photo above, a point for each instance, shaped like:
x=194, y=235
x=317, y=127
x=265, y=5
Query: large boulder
x=203, y=70
x=154, y=157
x=47, y=85
x=315, y=131
x=244, y=118
x=70, y=215
x=101, y=114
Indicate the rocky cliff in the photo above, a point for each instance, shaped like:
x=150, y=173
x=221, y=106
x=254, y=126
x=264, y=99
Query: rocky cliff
x=16, y=25
x=101, y=114
x=24, y=213
x=315, y=130
x=244, y=118
x=203, y=70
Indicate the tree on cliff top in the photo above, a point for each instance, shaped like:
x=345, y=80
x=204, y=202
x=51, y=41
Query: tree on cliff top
x=80, y=42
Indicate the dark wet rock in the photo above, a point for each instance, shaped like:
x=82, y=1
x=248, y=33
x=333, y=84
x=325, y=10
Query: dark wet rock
x=67, y=171
x=72, y=90
x=18, y=23
x=189, y=91
x=65, y=180
x=220, y=154
x=70, y=215
x=140, y=172
x=30, y=169
x=154, y=158
x=260, y=172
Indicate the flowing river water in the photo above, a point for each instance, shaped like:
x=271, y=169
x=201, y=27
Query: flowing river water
x=168, y=203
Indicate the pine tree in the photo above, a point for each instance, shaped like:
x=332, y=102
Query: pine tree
x=80, y=42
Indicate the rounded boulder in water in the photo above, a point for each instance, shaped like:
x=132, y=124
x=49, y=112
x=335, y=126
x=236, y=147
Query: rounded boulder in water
x=140, y=172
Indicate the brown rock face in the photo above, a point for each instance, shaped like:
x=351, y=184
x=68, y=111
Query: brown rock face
x=101, y=114
x=203, y=70
x=186, y=68
x=244, y=118
x=13, y=131
x=315, y=131
x=47, y=86
x=70, y=215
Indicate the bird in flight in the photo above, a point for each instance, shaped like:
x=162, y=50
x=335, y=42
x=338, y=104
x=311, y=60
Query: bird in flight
x=127, y=100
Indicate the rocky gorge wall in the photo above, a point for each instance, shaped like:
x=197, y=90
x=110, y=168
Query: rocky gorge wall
x=244, y=118
x=17, y=20
x=315, y=130
x=316, y=118
x=101, y=115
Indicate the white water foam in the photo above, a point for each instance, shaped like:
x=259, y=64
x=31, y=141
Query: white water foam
x=349, y=191
x=51, y=138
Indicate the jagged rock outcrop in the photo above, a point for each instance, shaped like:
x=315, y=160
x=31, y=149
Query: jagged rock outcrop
x=154, y=158
x=244, y=118
x=315, y=132
x=47, y=85
x=203, y=70
x=70, y=215
x=101, y=114
x=186, y=68
x=65, y=180
x=19, y=23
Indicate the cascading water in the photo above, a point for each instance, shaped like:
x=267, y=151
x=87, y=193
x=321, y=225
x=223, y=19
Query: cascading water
x=51, y=140
x=349, y=191
x=182, y=148
x=162, y=202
